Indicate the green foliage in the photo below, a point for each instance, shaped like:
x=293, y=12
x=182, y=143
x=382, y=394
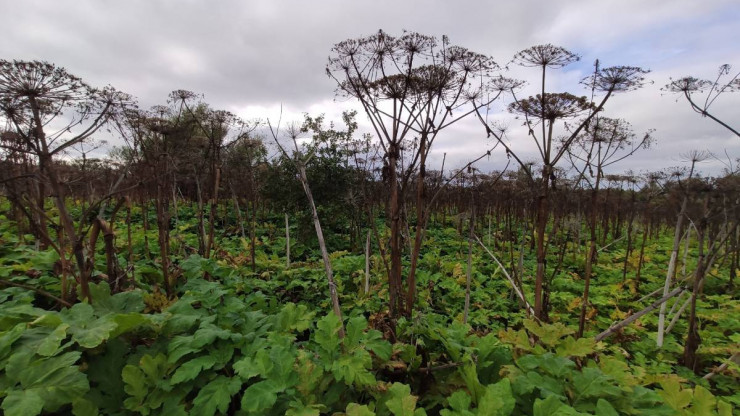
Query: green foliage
x=233, y=341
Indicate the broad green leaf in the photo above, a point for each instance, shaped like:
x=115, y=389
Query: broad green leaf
x=247, y=368
x=548, y=334
x=571, y=347
x=401, y=402
x=373, y=341
x=354, y=331
x=593, y=383
x=552, y=406
x=125, y=322
x=50, y=320
x=215, y=396
x=260, y=396
x=22, y=403
x=354, y=409
x=673, y=395
x=704, y=402
x=294, y=318
x=191, y=369
x=498, y=399
x=724, y=408
x=55, y=379
x=135, y=381
x=352, y=368
x=470, y=376
x=459, y=401
x=327, y=334
x=303, y=411
x=9, y=337
x=84, y=407
x=604, y=408
x=50, y=345
x=86, y=330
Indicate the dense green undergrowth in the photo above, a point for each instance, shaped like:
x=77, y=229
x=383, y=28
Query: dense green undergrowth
x=264, y=343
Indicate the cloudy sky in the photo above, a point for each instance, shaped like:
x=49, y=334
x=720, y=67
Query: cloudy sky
x=251, y=57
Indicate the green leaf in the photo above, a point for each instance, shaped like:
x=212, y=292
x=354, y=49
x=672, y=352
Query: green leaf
x=354, y=409
x=125, y=322
x=23, y=403
x=373, y=341
x=135, y=382
x=498, y=400
x=260, y=396
x=401, y=402
x=247, y=368
x=593, y=383
x=191, y=369
x=571, y=347
x=353, y=369
x=84, y=407
x=9, y=337
x=50, y=345
x=85, y=329
x=294, y=318
x=673, y=395
x=354, y=331
x=470, y=376
x=57, y=380
x=548, y=334
x=552, y=406
x=704, y=402
x=215, y=396
x=724, y=408
x=604, y=408
x=327, y=334
x=459, y=401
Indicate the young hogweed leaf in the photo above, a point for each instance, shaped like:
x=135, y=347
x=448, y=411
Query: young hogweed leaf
x=548, y=334
x=373, y=341
x=327, y=334
x=84, y=407
x=460, y=402
x=7, y=338
x=50, y=345
x=355, y=327
x=593, y=383
x=87, y=330
x=498, y=400
x=215, y=396
x=22, y=403
x=191, y=369
x=260, y=396
x=571, y=347
x=354, y=409
x=552, y=406
x=294, y=318
x=673, y=395
x=401, y=402
x=354, y=369
x=604, y=408
x=703, y=402
x=55, y=380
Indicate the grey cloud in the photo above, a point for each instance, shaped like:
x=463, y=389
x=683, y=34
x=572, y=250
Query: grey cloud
x=258, y=54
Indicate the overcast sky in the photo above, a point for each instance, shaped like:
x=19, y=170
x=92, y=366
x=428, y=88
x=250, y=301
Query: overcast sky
x=250, y=57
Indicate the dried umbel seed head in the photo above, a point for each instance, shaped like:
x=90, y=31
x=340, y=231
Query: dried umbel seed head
x=616, y=79
x=548, y=55
x=551, y=106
